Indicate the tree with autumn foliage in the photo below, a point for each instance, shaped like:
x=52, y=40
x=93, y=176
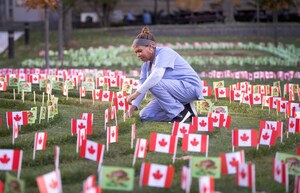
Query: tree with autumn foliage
x=45, y=5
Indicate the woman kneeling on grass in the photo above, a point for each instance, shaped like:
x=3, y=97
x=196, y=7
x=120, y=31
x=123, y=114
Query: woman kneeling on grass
x=171, y=80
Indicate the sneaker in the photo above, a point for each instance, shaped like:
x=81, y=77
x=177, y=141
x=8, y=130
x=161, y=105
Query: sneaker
x=182, y=116
x=191, y=108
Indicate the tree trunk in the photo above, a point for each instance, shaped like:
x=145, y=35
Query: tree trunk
x=68, y=27
x=60, y=31
x=155, y=12
x=275, y=24
x=228, y=11
x=106, y=13
x=46, y=37
x=168, y=11
x=257, y=11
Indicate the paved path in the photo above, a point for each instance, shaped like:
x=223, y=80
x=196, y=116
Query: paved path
x=4, y=39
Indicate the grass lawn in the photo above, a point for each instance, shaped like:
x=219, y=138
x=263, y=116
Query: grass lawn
x=75, y=169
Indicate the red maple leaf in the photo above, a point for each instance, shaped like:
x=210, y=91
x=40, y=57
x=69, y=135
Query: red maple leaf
x=204, y=189
x=183, y=130
x=244, y=137
x=257, y=98
x=222, y=92
x=283, y=105
x=203, y=123
x=98, y=94
x=215, y=119
x=81, y=126
x=5, y=159
x=278, y=171
x=135, y=84
x=292, y=124
x=162, y=142
x=40, y=140
x=121, y=104
x=1, y=85
x=204, y=90
x=35, y=79
x=91, y=150
x=53, y=184
x=157, y=175
x=113, y=134
x=17, y=118
x=194, y=142
x=237, y=95
x=243, y=174
x=105, y=95
x=247, y=98
x=113, y=82
x=233, y=162
x=142, y=148
x=243, y=86
x=120, y=96
x=266, y=136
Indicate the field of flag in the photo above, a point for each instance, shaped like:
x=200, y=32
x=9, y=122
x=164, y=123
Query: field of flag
x=64, y=130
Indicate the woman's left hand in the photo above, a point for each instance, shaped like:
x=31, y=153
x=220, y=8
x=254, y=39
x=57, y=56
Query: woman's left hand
x=133, y=96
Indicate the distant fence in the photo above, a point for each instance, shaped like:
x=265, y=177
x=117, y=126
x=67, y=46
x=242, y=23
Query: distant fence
x=237, y=29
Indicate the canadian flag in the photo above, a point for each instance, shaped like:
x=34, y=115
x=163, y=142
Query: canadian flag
x=206, y=184
x=203, y=123
x=112, y=134
x=82, y=91
x=121, y=104
x=243, y=86
x=267, y=137
x=220, y=119
x=77, y=124
x=106, y=115
x=89, y=117
x=280, y=171
x=34, y=78
x=92, y=150
x=266, y=101
x=11, y=159
x=206, y=90
x=163, y=143
x=50, y=182
x=274, y=104
x=244, y=137
x=230, y=161
x=20, y=117
x=276, y=126
x=3, y=86
x=100, y=81
x=141, y=148
x=195, y=143
x=257, y=98
x=89, y=182
x=112, y=81
x=235, y=95
x=40, y=140
x=81, y=136
x=156, y=175
x=221, y=92
x=102, y=95
x=247, y=99
x=135, y=84
x=120, y=94
x=293, y=125
x=281, y=106
x=185, y=179
x=245, y=175
x=96, y=189
x=179, y=129
x=292, y=108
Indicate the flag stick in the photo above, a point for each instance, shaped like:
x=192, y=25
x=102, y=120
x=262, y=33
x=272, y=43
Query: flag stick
x=23, y=96
x=14, y=91
x=34, y=101
x=79, y=96
x=253, y=179
x=20, y=165
x=99, y=173
x=33, y=156
x=106, y=139
x=43, y=99
x=175, y=150
x=77, y=142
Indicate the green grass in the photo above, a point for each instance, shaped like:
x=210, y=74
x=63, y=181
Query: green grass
x=75, y=169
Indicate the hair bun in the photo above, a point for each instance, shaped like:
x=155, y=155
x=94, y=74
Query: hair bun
x=145, y=30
